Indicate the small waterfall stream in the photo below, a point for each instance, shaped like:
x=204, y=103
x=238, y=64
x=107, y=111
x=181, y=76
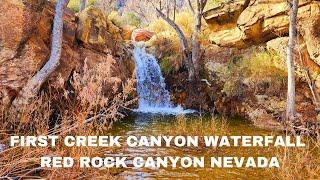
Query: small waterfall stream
x=151, y=88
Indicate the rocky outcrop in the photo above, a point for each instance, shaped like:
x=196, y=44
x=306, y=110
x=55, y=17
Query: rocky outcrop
x=141, y=35
x=302, y=58
x=225, y=16
x=246, y=23
x=96, y=31
x=25, y=35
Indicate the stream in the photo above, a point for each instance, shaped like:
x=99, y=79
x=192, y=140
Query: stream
x=148, y=125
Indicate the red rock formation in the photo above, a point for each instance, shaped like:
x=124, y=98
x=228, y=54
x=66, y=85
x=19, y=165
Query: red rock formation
x=141, y=35
x=25, y=35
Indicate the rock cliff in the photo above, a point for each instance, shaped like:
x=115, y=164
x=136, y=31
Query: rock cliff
x=25, y=35
x=250, y=31
x=242, y=24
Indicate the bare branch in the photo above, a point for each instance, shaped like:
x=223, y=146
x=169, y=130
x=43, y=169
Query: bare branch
x=191, y=7
x=203, y=5
x=182, y=37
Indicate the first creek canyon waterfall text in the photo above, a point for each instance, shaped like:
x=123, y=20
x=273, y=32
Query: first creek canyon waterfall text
x=159, y=141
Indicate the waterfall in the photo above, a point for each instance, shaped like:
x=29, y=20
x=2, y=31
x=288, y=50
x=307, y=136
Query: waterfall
x=151, y=88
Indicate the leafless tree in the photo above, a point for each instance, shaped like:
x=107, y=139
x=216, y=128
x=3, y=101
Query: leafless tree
x=183, y=42
x=192, y=60
x=31, y=89
x=293, y=11
x=197, y=13
x=83, y=5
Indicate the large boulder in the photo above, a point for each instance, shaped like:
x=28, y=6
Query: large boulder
x=224, y=16
x=141, y=35
x=92, y=30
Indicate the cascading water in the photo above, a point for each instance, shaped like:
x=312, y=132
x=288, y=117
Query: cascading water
x=151, y=88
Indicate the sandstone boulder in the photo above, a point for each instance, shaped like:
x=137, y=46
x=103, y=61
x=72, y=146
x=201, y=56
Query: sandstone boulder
x=141, y=35
x=127, y=32
x=92, y=30
x=225, y=16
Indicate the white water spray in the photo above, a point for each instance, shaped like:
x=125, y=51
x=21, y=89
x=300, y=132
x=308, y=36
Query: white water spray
x=151, y=88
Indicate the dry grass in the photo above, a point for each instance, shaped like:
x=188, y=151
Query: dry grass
x=198, y=127
x=81, y=109
x=298, y=163
x=295, y=163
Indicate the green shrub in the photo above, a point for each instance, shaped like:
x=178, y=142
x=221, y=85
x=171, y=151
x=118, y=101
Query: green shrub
x=166, y=66
x=170, y=63
x=132, y=19
x=74, y=5
x=125, y=19
x=265, y=64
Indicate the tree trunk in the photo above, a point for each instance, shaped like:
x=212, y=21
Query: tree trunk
x=168, y=8
x=183, y=43
x=174, y=9
x=196, y=41
x=83, y=5
x=290, y=62
x=33, y=86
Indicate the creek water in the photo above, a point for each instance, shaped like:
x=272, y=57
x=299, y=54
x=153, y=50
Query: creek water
x=153, y=125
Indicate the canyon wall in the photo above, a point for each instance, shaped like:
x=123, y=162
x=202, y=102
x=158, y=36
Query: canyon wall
x=25, y=40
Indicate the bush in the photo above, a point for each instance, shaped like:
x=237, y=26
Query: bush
x=132, y=20
x=183, y=19
x=265, y=64
x=81, y=108
x=74, y=5
x=167, y=43
x=263, y=71
x=126, y=19
x=170, y=64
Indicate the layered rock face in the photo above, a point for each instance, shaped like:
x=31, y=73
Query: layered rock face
x=246, y=28
x=25, y=38
x=242, y=24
